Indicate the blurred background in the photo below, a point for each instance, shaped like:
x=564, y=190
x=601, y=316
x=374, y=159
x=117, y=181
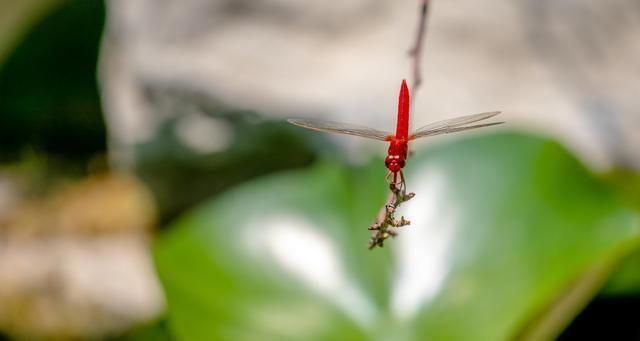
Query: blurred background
x=151, y=189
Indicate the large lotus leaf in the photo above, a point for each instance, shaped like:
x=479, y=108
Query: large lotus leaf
x=510, y=237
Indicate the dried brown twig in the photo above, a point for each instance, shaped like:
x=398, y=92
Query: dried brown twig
x=416, y=51
x=383, y=228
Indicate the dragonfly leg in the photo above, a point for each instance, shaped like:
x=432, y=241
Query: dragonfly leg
x=394, y=183
x=386, y=178
x=402, y=183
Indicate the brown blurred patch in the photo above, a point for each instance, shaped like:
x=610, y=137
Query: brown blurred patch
x=75, y=264
x=102, y=204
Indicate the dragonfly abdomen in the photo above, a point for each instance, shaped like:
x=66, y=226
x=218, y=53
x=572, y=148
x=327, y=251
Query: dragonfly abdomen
x=402, y=127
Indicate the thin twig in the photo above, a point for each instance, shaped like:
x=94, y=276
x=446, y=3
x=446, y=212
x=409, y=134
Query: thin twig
x=383, y=228
x=416, y=50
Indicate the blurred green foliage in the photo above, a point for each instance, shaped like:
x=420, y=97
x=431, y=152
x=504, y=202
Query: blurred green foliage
x=626, y=280
x=156, y=331
x=48, y=89
x=533, y=237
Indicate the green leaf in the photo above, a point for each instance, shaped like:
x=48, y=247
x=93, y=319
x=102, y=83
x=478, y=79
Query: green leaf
x=626, y=279
x=503, y=228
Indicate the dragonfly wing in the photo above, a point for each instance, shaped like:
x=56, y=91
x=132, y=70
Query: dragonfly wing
x=452, y=130
x=455, y=124
x=342, y=128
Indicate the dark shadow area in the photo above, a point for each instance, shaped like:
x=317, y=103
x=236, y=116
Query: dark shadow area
x=606, y=319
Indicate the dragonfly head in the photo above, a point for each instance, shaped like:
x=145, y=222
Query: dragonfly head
x=394, y=163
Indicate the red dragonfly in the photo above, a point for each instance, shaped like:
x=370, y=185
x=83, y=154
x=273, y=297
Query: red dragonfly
x=398, y=143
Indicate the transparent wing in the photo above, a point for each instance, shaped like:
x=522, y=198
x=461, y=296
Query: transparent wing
x=342, y=128
x=453, y=125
